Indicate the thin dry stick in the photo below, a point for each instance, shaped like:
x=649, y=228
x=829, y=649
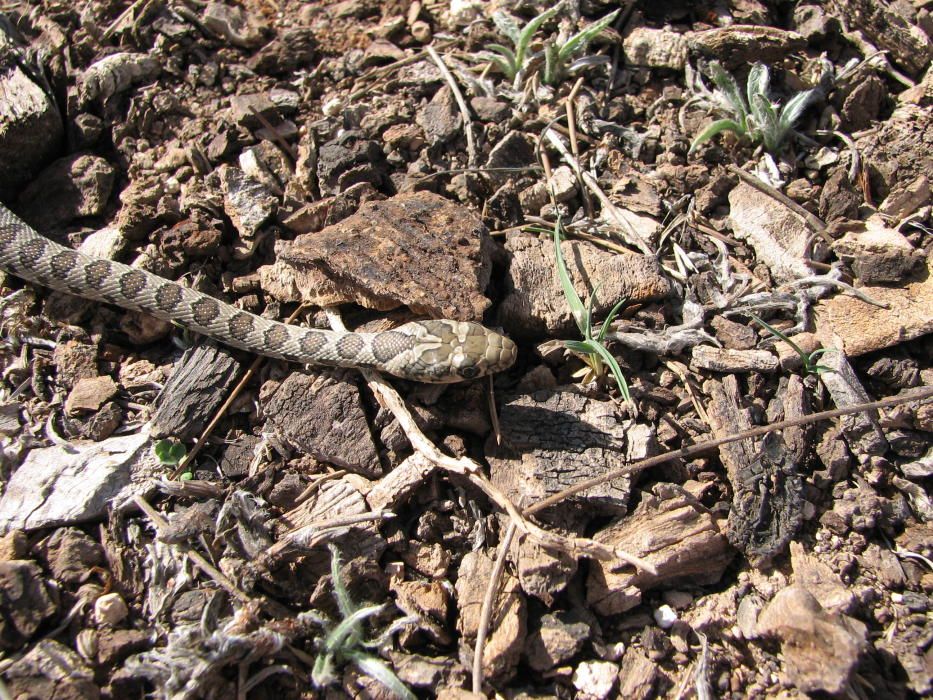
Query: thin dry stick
x=270, y=606
x=222, y=411
x=461, y=103
x=465, y=466
x=575, y=148
x=699, y=448
x=812, y=220
x=489, y=601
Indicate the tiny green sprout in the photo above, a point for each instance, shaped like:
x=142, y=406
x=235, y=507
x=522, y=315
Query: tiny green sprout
x=344, y=642
x=807, y=358
x=752, y=115
x=169, y=452
x=557, y=54
x=591, y=349
x=512, y=61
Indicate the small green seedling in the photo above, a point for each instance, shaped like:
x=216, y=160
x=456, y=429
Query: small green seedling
x=344, y=642
x=171, y=454
x=807, y=358
x=512, y=61
x=752, y=115
x=591, y=348
x=557, y=55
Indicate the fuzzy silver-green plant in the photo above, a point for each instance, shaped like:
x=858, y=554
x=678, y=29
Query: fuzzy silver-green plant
x=512, y=61
x=345, y=643
x=752, y=115
x=557, y=54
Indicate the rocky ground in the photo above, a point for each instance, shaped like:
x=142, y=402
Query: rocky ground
x=187, y=520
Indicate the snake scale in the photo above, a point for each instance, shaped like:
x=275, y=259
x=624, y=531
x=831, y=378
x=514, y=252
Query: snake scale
x=437, y=351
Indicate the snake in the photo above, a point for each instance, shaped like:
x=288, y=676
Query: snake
x=437, y=351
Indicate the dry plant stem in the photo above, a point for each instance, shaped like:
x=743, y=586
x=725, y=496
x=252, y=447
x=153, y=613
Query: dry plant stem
x=316, y=483
x=270, y=606
x=279, y=141
x=813, y=221
x=382, y=71
x=390, y=399
x=312, y=535
x=609, y=210
x=222, y=411
x=575, y=148
x=702, y=447
x=461, y=103
x=489, y=601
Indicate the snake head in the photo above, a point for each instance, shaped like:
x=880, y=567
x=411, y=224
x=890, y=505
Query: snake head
x=454, y=351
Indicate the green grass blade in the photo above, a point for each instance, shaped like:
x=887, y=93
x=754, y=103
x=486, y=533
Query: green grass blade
x=581, y=39
x=584, y=347
x=527, y=34
x=613, y=312
x=615, y=369
x=573, y=299
x=715, y=128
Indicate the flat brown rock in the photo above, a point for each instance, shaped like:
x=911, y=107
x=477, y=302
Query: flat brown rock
x=856, y=327
x=534, y=302
x=417, y=250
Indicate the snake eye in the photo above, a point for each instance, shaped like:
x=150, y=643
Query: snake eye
x=468, y=372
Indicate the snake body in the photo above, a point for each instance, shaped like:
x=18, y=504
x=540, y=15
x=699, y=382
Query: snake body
x=437, y=351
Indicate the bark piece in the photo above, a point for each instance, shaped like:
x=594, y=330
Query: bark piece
x=90, y=394
x=670, y=530
x=877, y=253
x=778, y=235
x=767, y=501
x=58, y=486
x=559, y=638
x=505, y=639
x=51, y=670
x=638, y=675
x=890, y=29
x=862, y=430
x=656, y=48
x=901, y=150
x=542, y=573
x=417, y=250
x=30, y=124
x=856, y=327
x=25, y=602
x=554, y=439
x=534, y=303
x=69, y=554
x=200, y=383
x=322, y=415
x=820, y=649
x=731, y=361
x=739, y=44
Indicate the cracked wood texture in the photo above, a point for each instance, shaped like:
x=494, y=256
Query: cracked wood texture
x=767, y=489
x=201, y=382
x=555, y=439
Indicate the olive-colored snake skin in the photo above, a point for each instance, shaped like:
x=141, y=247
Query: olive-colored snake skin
x=423, y=351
